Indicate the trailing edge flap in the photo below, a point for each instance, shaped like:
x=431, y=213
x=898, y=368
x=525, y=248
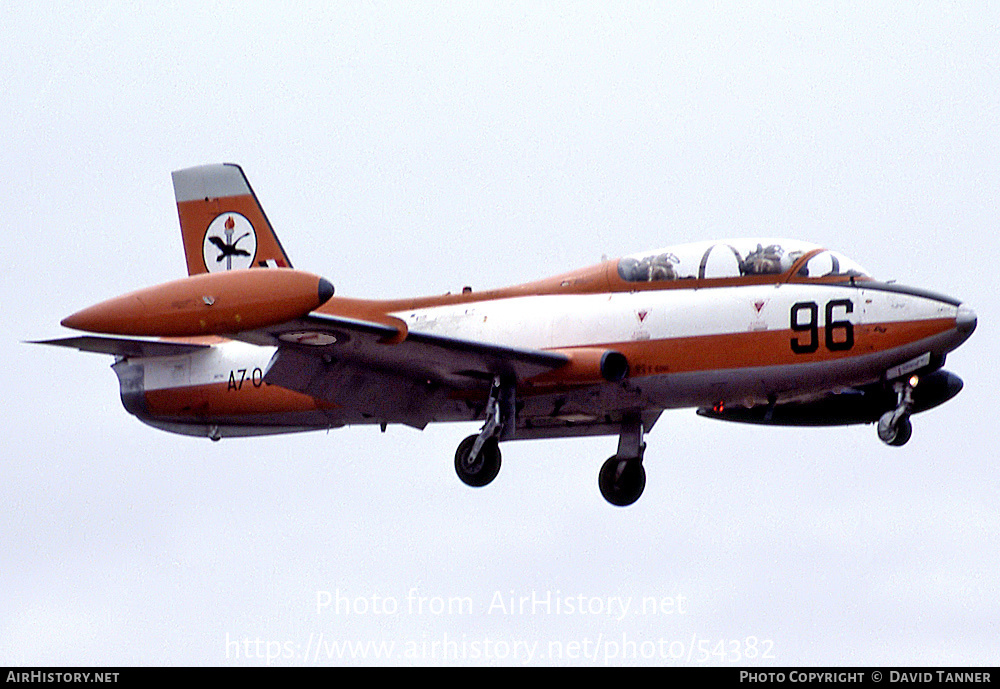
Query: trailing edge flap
x=320, y=339
x=124, y=347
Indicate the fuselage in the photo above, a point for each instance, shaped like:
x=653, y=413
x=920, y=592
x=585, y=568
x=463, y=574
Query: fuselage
x=759, y=331
x=700, y=325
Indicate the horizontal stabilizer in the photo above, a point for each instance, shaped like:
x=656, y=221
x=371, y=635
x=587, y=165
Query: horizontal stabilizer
x=123, y=347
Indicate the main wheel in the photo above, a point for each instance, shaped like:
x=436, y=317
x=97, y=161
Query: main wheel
x=622, y=480
x=481, y=470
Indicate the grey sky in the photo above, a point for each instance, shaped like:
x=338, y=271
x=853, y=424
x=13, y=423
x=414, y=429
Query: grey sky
x=403, y=149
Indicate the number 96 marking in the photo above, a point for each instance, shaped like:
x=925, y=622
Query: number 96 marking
x=805, y=319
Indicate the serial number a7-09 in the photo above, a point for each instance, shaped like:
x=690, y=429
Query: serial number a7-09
x=239, y=376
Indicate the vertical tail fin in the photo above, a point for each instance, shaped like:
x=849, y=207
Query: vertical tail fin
x=222, y=223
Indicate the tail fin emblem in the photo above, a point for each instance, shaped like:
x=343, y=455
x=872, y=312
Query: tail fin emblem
x=221, y=251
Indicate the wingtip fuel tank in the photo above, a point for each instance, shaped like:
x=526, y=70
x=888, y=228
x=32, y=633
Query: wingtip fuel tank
x=207, y=304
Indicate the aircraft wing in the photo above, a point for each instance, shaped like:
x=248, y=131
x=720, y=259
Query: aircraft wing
x=418, y=356
x=124, y=347
x=385, y=372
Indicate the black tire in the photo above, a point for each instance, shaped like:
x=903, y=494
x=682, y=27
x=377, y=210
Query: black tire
x=896, y=435
x=904, y=429
x=622, y=480
x=484, y=468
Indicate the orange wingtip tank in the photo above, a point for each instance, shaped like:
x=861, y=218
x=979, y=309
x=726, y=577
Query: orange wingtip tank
x=208, y=304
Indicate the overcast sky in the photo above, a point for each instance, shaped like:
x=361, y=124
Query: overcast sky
x=403, y=148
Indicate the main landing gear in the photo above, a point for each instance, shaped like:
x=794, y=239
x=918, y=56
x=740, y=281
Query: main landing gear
x=622, y=478
x=894, y=427
x=477, y=460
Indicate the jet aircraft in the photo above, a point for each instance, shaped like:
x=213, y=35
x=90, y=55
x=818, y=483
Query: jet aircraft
x=763, y=331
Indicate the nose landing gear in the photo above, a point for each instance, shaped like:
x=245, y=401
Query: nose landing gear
x=894, y=427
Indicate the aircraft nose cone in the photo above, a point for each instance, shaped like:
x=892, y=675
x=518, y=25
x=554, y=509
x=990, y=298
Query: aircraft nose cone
x=965, y=320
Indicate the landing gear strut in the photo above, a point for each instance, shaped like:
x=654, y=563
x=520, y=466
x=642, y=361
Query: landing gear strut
x=477, y=460
x=894, y=427
x=622, y=478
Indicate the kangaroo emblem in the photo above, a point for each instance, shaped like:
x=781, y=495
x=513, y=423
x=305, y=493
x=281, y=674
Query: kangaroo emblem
x=229, y=249
x=221, y=245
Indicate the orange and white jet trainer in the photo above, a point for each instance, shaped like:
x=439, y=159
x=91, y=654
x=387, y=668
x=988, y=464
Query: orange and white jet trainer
x=764, y=331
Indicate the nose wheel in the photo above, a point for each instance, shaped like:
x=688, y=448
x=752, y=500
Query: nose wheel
x=894, y=434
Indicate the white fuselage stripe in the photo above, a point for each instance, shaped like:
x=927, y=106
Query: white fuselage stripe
x=553, y=321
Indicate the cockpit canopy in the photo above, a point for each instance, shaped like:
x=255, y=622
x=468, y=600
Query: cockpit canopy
x=735, y=258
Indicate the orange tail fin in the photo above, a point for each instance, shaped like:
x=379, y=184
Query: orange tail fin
x=222, y=223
